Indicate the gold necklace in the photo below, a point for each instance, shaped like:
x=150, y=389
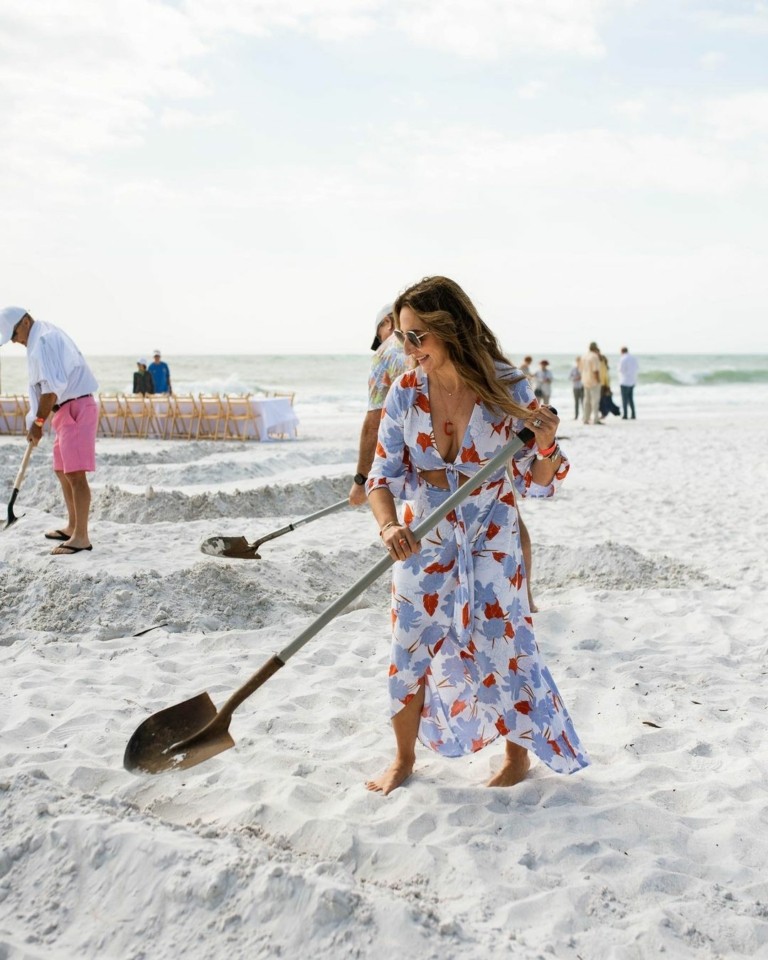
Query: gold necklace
x=448, y=423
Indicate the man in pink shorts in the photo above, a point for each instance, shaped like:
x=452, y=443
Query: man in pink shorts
x=60, y=384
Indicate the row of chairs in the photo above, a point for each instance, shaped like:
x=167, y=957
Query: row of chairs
x=166, y=417
x=180, y=416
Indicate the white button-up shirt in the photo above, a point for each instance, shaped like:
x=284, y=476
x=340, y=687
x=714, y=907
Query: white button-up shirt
x=55, y=365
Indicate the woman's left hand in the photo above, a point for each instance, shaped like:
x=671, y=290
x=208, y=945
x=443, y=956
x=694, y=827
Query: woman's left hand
x=544, y=423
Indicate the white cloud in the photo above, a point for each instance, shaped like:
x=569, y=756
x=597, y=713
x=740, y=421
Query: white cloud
x=531, y=90
x=738, y=117
x=481, y=29
x=489, y=28
x=712, y=59
x=82, y=76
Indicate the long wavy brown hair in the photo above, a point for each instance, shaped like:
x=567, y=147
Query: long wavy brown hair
x=447, y=312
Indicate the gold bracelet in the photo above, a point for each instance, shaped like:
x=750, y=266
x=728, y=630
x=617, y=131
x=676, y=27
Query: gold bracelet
x=392, y=523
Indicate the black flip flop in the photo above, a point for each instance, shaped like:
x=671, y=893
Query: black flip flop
x=57, y=535
x=70, y=550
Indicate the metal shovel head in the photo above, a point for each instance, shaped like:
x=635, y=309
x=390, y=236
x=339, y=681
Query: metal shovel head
x=157, y=744
x=236, y=547
x=12, y=518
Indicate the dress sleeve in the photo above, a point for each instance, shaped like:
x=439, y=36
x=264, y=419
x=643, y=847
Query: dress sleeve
x=524, y=459
x=391, y=466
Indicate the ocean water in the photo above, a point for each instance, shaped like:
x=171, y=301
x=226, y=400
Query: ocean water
x=330, y=384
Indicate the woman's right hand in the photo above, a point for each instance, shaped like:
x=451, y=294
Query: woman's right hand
x=399, y=541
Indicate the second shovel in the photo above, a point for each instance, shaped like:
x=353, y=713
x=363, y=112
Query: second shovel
x=238, y=547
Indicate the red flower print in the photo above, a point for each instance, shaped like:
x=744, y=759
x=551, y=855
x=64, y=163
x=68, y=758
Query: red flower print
x=457, y=707
x=465, y=615
x=430, y=601
x=493, y=610
x=422, y=402
x=523, y=706
x=424, y=440
x=439, y=567
x=493, y=529
x=502, y=727
x=469, y=454
x=408, y=379
x=392, y=669
x=513, y=665
x=489, y=681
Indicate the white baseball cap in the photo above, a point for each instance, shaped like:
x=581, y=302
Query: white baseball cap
x=9, y=317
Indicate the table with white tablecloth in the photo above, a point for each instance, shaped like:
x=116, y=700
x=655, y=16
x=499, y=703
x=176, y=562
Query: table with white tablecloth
x=274, y=417
x=187, y=417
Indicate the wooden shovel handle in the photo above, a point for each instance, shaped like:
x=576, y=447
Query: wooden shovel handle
x=252, y=684
x=23, y=468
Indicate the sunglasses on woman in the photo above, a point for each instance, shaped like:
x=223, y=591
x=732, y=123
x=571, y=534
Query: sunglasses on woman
x=411, y=336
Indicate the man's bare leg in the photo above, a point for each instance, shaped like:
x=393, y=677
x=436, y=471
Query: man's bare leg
x=514, y=769
x=525, y=540
x=69, y=503
x=406, y=727
x=77, y=496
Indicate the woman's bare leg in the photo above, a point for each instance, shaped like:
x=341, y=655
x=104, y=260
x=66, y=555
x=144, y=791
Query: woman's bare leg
x=514, y=769
x=406, y=727
x=525, y=541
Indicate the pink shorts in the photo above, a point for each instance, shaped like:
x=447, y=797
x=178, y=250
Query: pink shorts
x=75, y=424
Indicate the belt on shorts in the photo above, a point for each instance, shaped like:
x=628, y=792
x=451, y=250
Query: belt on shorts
x=58, y=406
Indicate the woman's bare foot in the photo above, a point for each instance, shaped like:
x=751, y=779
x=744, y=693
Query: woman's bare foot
x=514, y=769
x=532, y=605
x=396, y=774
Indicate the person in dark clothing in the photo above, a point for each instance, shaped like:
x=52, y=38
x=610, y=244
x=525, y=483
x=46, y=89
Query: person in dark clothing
x=142, y=378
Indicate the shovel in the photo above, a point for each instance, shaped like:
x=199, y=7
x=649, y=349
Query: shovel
x=240, y=549
x=12, y=518
x=191, y=732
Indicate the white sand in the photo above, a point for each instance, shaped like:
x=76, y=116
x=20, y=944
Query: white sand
x=650, y=574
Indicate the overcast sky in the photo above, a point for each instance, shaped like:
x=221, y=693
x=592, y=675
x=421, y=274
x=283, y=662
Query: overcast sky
x=261, y=176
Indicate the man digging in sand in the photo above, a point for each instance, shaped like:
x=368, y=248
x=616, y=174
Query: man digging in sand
x=60, y=383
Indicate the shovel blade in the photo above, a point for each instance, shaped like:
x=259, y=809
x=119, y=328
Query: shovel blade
x=12, y=518
x=151, y=748
x=236, y=547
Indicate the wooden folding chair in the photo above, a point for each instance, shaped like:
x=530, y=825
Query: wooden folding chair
x=110, y=415
x=212, y=416
x=240, y=420
x=282, y=393
x=134, y=416
x=159, y=417
x=184, y=416
x=9, y=415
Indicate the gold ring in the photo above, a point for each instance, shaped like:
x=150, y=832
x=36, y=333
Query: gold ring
x=401, y=542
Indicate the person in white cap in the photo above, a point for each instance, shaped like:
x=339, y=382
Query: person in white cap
x=161, y=374
x=60, y=383
x=142, y=378
x=387, y=365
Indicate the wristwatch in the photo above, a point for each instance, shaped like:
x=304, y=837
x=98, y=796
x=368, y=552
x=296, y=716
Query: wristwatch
x=360, y=479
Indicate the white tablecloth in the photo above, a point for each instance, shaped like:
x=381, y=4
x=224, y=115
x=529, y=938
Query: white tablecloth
x=274, y=417
x=253, y=418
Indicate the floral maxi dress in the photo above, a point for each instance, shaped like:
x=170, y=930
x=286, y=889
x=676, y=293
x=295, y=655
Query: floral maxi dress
x=462, y=626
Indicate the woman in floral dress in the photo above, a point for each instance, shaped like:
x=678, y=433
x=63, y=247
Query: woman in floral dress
x=465, y=666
